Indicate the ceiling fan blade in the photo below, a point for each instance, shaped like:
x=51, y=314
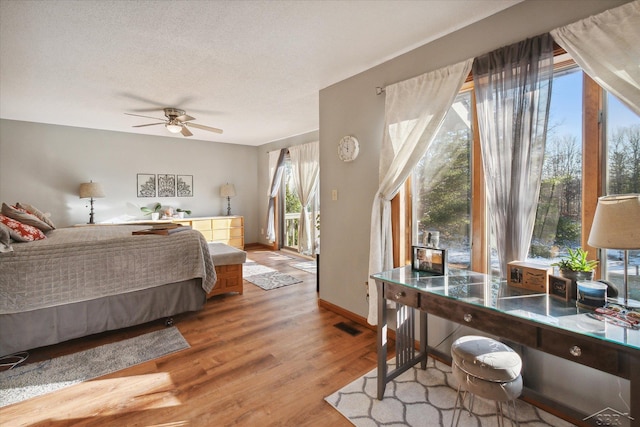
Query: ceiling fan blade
x=185, y=131
x=185, y=118
x=149, y=124
x=203, y=127
x=148, y=117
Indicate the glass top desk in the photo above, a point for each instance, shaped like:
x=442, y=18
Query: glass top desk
x=535, y=320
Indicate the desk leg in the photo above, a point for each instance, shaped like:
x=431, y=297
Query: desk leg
x=382, y=340
x=423, y=339
x=634, y=384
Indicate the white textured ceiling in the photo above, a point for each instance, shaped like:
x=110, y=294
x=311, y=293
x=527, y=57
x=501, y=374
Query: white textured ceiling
x=252, y=68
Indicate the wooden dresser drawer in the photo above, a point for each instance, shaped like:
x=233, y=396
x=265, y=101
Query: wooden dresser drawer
x=401, y=294
x=227, y=233
x=201, y=225
x=485, y=320
x=579, y=350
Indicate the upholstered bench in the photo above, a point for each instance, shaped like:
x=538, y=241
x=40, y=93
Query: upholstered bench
x=487, y=368
x=227, y=261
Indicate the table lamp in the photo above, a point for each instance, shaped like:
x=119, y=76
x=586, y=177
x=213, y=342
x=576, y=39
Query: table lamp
x=91, y=190
x=616, y=225
x=228, y=191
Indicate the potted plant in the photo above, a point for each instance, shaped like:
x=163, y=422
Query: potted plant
x=181, y=212
x=154, y=212
x=575, y=266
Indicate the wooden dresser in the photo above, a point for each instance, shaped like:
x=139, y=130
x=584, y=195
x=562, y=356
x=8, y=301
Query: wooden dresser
x=224, y=229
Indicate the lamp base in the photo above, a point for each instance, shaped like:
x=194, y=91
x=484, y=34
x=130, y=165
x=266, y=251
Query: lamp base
x=228, y=206
x=91, y=213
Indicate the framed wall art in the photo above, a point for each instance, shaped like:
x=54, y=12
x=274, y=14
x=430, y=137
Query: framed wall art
x=184, y=185
x=166, y=185
x=146, y=185
x=431, y=260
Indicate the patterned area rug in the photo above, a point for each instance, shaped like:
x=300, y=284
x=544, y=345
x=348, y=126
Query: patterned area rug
x=25, y=382
x=266, y=277
x=308, y=266
x=423, y=398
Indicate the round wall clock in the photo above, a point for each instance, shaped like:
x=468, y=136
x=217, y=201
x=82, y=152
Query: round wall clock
x=348, y=148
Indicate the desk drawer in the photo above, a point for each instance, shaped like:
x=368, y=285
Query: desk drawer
x=579, y=350
x=401, y=294
x=483, y=320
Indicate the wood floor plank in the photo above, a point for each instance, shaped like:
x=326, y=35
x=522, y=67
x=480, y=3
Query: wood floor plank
x=264, y=358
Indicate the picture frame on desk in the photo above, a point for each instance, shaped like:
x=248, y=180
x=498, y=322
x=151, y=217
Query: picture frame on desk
x=430, y=260
x=560, y=288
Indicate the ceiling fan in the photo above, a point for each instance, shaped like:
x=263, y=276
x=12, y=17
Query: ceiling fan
x=177, y=121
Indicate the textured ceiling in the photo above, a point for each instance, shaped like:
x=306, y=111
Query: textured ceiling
x=252, y=68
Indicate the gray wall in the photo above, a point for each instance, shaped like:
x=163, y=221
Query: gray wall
x=44, y=164
x=351, y=107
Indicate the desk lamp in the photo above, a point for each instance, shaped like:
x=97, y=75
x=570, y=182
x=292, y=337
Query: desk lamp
x=228, y=191
x=91, y=190
x=616, y=225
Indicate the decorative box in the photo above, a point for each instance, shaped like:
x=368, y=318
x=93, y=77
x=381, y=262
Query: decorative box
x=527, y=275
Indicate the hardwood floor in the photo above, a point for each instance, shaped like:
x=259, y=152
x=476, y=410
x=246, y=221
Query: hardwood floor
x=264, y=358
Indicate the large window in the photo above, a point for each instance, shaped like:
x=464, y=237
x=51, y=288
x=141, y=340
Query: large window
x=445, y=198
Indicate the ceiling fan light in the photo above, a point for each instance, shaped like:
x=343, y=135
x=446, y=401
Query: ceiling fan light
x=173, y=128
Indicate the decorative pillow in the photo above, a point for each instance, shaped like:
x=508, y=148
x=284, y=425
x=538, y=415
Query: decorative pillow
x=5, y=239
x=21, y=232
x=24, y=217
x=37, y=213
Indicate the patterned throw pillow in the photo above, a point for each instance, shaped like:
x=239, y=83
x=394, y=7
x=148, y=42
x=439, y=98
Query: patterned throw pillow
x=37, y=213
x=24, y=217
x=21, y=232
x=5, y=239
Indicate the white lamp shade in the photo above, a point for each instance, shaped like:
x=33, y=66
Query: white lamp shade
x=227, y=190
x=90, y=190
x=616, y=223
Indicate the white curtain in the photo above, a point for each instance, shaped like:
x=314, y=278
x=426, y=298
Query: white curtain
x=414, y=111
x=513, y=93
x=607, y=47
x=276, y=168
x=305, y=163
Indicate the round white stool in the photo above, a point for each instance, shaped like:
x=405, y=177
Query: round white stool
x=487, y=368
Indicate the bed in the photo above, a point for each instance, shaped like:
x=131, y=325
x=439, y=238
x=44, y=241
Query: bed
x=89, y=279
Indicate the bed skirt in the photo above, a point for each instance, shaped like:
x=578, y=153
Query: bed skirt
x=27, y=330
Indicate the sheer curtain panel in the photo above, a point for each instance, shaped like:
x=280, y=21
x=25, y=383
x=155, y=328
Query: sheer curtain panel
x=305, y=162
x=513, y=92
x=607, y=47
x=276, y=168
x=414, y=111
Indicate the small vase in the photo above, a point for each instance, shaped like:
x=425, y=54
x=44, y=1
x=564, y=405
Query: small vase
x=180, y=215
x=155, y=216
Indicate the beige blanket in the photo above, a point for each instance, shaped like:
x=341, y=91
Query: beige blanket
x=82, y=263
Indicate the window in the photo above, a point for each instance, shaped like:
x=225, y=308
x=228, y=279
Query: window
x=623, y=176
x=558, y=223
x=442, y=186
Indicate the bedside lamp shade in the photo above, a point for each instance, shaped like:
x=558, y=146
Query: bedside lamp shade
x=228, y=190
x=616, y=225
x=90, y=190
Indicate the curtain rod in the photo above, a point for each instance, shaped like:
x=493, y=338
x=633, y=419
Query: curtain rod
x=380, y=90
